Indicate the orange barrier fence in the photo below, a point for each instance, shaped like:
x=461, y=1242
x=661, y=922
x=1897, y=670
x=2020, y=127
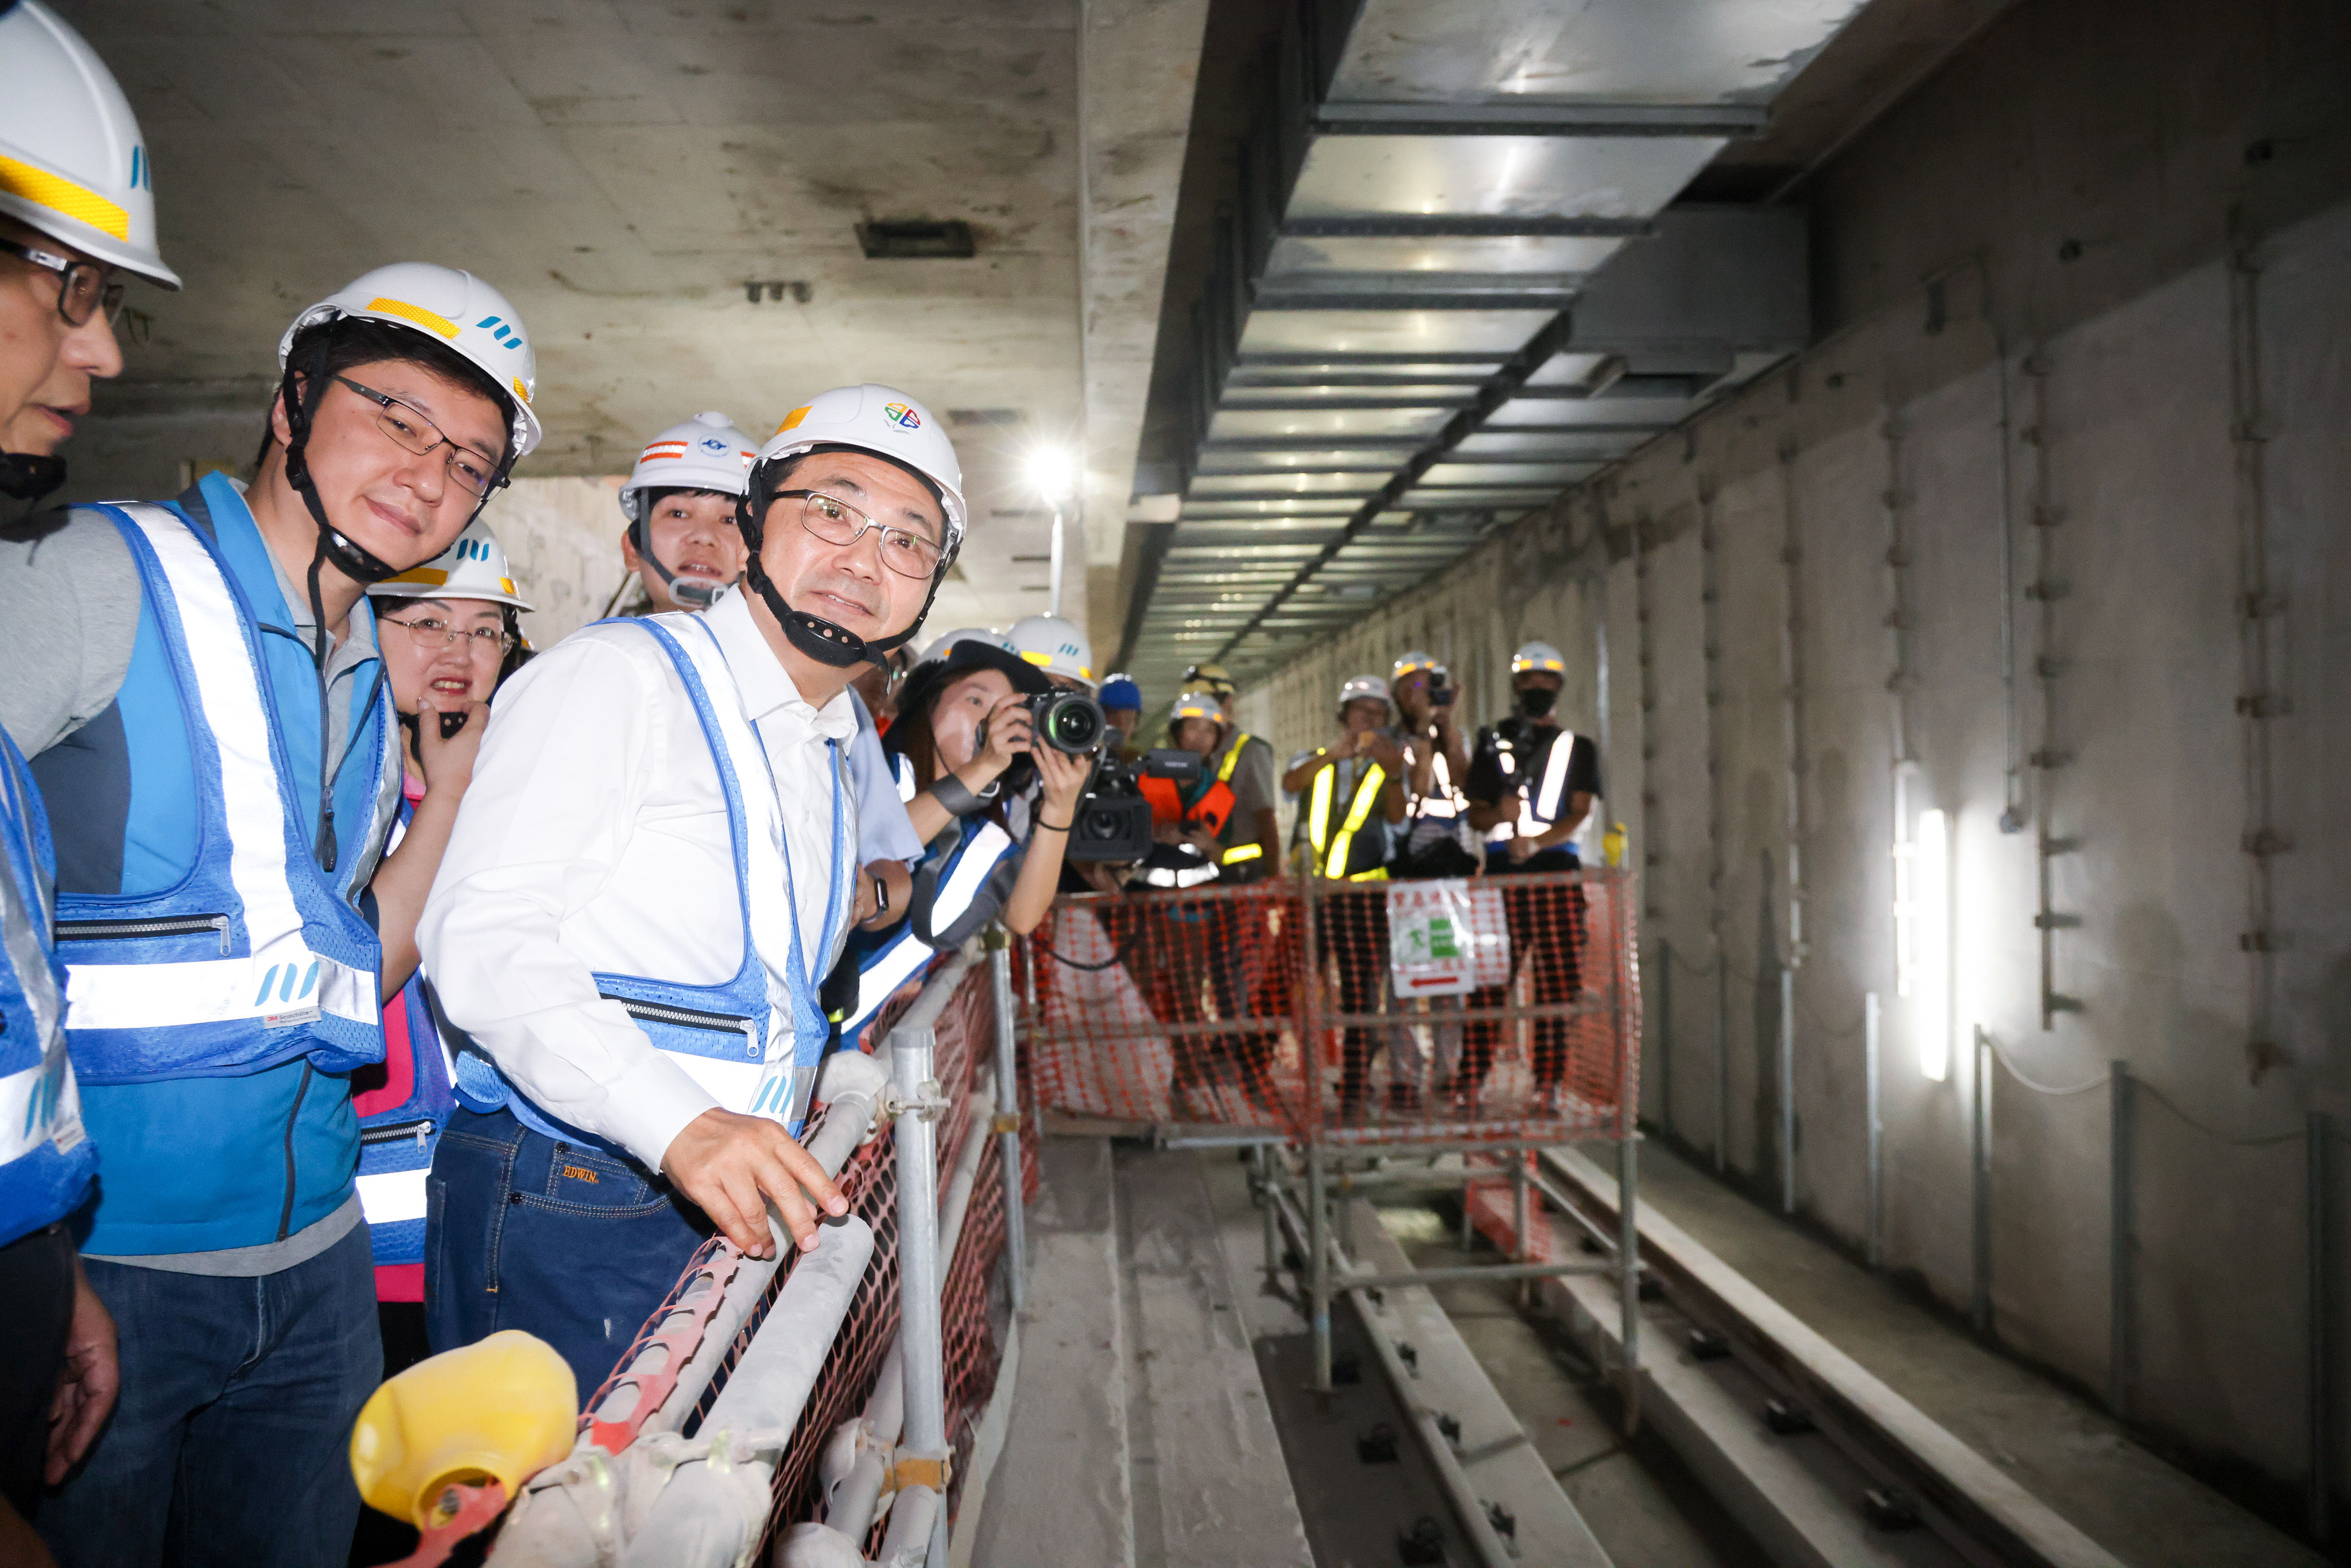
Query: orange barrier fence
x=973, y=1302
x=1494, y=1007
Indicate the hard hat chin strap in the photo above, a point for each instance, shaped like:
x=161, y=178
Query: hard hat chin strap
x=24, y=476
x=350, y=558
x=694, y=593
x=821, y=639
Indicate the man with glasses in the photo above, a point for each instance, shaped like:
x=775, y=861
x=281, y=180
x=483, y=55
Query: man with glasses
x=650, y=876
x=208, y=719
x=77, y=202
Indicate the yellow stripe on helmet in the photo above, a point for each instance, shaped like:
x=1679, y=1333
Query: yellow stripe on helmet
x=416, y=314
x=61, y=196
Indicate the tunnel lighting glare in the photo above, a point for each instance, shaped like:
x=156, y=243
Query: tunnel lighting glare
x=1053, y=474
x=1930, y=935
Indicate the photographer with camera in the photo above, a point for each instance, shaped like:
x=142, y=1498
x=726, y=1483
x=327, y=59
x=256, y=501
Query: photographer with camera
x=967, y=738
x=1437, y=840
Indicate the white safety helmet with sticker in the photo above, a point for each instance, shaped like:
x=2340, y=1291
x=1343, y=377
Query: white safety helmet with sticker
x=456, y=310
x=72, y=162
x=987, y=634
x=1538, y=656
x=475, y=567
x=887, y=424
x=1054, y=646
x=1196, y=705
x=1415, y=661
x=1356, y=686
x=705, y=452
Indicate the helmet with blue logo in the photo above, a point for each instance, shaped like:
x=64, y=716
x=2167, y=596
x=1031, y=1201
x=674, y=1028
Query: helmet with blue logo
x=474, y=568
x=72, y=162
x=462, y=313
x=1054, y=646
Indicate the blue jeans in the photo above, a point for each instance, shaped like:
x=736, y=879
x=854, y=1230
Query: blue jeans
x=231, y=1442
x=565, y=1241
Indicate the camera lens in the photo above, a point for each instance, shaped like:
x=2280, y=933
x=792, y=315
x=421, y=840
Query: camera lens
x=1070, y=721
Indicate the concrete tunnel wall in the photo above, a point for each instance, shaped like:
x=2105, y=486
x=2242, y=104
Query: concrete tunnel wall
x=1946, y=263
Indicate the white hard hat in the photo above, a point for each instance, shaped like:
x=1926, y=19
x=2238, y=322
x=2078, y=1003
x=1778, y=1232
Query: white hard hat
x=1539, y=656
x=474, y=568
x=469, y=570
x=1362, y=686
x=887, y=423
x=1416, y=660
x=72, y=164
x=1197, y=704
x=1055, y=646
x=705, y=452
x=464, y=312
x=987, y=634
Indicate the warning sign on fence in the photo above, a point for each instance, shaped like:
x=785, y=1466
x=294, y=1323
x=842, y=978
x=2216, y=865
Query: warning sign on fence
x=1447, y=937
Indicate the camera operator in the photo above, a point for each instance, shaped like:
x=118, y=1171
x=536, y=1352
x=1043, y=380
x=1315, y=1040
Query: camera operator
x=965, y=739
x=1437, y=839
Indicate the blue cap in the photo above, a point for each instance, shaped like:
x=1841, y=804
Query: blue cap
x=1119, y=692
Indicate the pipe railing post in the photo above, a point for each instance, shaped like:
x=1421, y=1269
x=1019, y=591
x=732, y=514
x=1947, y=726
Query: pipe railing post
x=1318, y=1264
x=919, y=1103
x=2322, y=1408
x=1262, y=1161
x=1873, y=1091
x=1007, y=1116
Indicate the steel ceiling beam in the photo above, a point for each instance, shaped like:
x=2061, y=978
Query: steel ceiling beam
x=1531, y=355
x=1462, y=226
x=1726, y=119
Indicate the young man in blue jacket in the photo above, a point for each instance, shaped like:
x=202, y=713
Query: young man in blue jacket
x=206, y=712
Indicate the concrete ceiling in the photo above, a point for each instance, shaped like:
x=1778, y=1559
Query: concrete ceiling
x=623, y=170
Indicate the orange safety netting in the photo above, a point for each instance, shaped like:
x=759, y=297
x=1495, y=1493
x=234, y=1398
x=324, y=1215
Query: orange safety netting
x=1501, y=1008
x=972, y=1298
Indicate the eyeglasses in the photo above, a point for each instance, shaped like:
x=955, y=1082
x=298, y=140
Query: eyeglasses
x=468, y=469
x=904, y=551
x=437, y=633
x=82, y=288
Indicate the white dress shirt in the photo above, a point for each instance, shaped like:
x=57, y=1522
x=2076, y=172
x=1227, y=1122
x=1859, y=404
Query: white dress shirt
x=594, y=838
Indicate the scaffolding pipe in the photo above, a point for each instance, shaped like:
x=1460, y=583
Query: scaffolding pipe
x=911, y=1051
x=1792, y=669
x=1711, y=623
x=2318, y=1263
x=1628, y=1272
x=715, y=1503
x=1980, y=1163
x=1007, y=1138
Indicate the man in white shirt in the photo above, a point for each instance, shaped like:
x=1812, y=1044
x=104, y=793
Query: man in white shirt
x=651, y=874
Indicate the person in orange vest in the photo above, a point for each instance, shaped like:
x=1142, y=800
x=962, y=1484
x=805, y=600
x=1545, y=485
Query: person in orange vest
x=1531, y=785
x=1246, y=762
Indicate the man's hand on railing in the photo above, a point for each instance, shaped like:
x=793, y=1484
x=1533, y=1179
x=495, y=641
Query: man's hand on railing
x=734, y=1167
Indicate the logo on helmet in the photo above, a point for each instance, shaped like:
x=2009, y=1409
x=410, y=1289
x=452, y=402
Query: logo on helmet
x=899, y=414
x=712, y=444
x=501, y=331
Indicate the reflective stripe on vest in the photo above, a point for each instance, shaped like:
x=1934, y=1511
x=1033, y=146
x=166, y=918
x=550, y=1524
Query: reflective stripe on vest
x=1232, y=758
x=46, y=1159
x=397, y=1140
x=969, y=866
x=1444, y=802
x=1539, y=805
x=291, y=950
x=1240, y=853
x=753, y=1041
x=1367, y=795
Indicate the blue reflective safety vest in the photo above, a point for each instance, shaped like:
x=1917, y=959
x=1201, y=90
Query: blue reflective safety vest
x=397, y=1139
x=958, y=888
x=47, y=1160
x=259, y=956
x=755, y=1041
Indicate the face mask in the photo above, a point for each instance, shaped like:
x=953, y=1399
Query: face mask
x=1536, y=701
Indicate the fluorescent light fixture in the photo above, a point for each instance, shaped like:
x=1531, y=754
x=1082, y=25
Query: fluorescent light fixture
x=1929, y=981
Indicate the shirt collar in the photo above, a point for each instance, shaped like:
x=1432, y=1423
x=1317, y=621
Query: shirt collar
x=760, y=676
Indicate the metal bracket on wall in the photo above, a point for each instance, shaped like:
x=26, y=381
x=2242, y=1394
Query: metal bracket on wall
x=2049, y=668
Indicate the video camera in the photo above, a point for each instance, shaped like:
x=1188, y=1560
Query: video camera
x=1114, y=816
